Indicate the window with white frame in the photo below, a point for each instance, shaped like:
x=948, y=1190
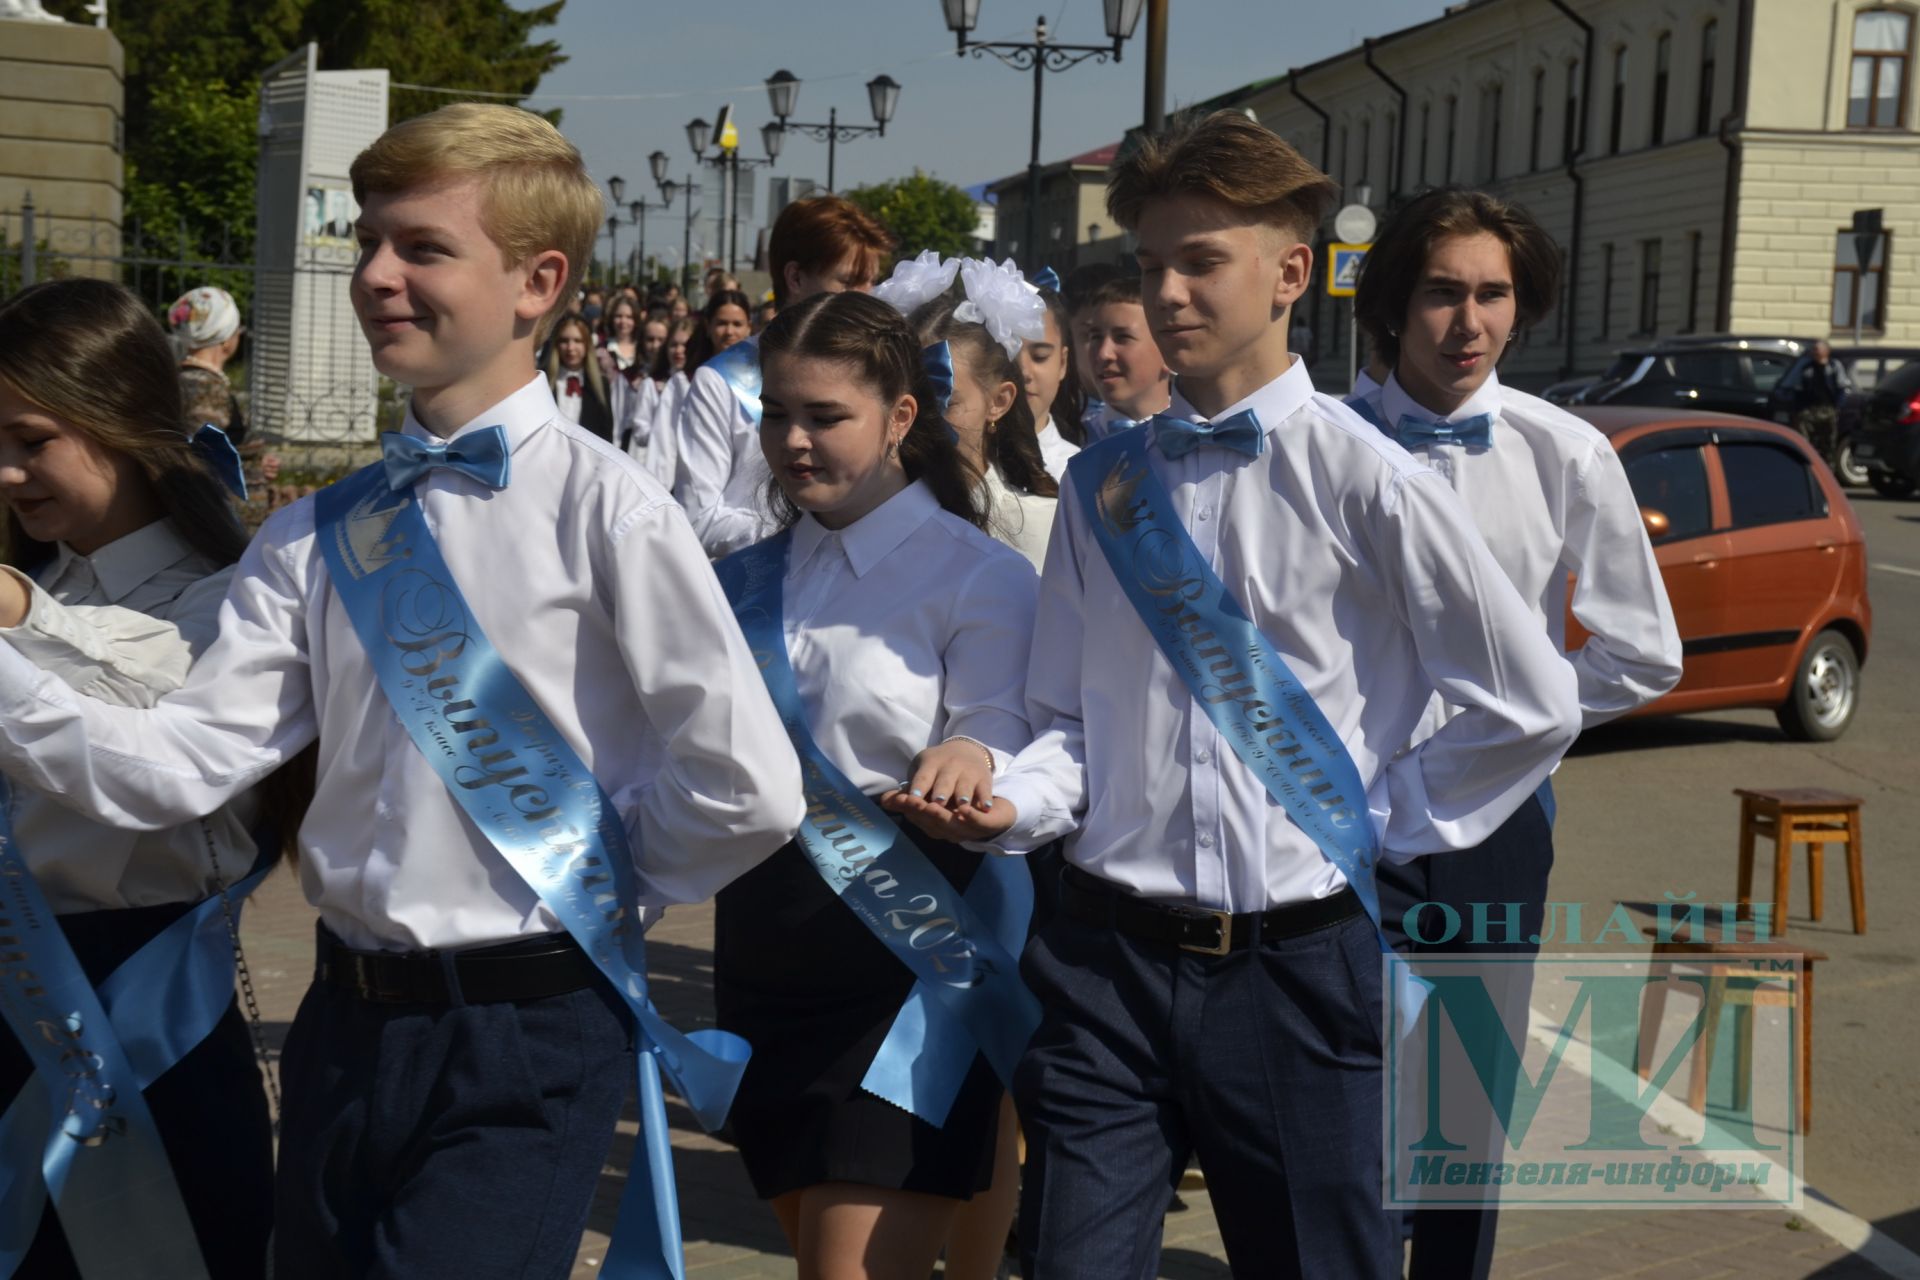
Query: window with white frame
x=1877, y=78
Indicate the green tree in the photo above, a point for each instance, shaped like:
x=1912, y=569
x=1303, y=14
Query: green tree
x=192, y=89
x=922, y=212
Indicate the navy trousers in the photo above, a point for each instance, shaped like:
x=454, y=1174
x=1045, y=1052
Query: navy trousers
x=1264, y=1063
x=210, y=1109
x=457, y=1142
x=1512, y=865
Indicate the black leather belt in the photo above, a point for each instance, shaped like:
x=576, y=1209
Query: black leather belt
x=1095, y=901
x=526, y=970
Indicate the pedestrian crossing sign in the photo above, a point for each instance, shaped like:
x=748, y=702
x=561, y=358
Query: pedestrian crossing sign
x=1343, y=268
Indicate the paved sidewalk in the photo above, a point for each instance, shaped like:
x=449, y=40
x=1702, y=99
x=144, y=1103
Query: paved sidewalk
x=732, y=1236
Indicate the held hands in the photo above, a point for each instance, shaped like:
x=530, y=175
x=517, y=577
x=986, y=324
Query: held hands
x=949, y=794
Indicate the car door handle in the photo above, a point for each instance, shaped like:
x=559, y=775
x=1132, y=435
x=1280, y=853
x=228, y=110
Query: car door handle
x=1826, y=544
x=1706, y=559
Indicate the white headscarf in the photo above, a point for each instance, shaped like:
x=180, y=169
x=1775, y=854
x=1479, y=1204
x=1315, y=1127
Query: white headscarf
x=204, y=317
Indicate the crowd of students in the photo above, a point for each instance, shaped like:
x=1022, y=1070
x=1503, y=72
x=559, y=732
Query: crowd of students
x=1061, y=698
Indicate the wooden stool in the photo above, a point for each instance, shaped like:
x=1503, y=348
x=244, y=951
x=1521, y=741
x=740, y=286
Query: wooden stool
x=1725, y=988
x=1800, y=815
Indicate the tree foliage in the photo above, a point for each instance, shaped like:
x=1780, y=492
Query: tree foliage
x=922, y=212
x=192, y=88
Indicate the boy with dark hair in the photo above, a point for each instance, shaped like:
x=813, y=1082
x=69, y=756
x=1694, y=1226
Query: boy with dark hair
x=1452, y=280
x=1117, y=350
x=537, y=721
x=822, y=244
x=1247, y=605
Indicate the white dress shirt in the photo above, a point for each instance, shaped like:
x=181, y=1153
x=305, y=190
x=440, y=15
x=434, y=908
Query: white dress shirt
x=1023, y=521
x=590, y=585
x=636, y=422
x=663, y=449
x=1363, y=385
x=906, y=628
x=569, y=403
x=123, y=625
x=1363, y=570
x=1551, y=499
x=722, y=475
x=1055, y=449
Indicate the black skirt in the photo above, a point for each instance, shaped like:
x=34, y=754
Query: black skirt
x=814, y=992
x=210, y=1109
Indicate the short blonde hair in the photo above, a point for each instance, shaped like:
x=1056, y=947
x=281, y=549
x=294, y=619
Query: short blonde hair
x=1231, y=158
x=538, y=194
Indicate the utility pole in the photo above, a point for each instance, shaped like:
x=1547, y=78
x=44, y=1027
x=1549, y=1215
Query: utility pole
x=1154, y=116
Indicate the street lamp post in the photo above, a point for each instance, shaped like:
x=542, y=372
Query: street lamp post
x=668, y=189
x=1040, y=56
x=883, y=95
x=727, y=164
x=613, y=248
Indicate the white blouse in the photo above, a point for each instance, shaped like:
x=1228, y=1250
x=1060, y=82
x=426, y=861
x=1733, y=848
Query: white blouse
x=1055, y=449
x=663, y=447
x=1021, y=520
x=124, y=625
x=906, y=628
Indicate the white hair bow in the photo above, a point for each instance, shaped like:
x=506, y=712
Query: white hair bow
x=999, y=298
x=917, y=282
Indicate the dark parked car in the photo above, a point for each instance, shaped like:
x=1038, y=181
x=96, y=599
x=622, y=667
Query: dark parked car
x=1719, y=373
x=1862, y=369
x=1888, y=442
x=1763, y=560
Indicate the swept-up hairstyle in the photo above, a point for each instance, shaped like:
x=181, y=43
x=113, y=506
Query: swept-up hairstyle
x=1401, y=247
x=860, y=331
x=537, y=195
x=1230, y=158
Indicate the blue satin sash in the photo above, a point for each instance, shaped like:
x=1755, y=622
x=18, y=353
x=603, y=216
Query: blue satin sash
x=961, y=948
x=85, y=1136
x=739, y=367
x=1267, y=717
x=527, y=790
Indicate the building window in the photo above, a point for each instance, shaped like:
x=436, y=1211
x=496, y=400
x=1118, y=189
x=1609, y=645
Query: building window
x=1606, y=291
x=1365, y=168
x=1426, y=138
x=1539, y=120
x=1346, y=173
x=1572, y=120
x=1662, y=78
x=1859, y=297
x=1453, y=122
x=1491, y=100
x=1693, y=283
x=1877, y=98
x=1703, y=112
x=1619, y=117
x=1649, y=286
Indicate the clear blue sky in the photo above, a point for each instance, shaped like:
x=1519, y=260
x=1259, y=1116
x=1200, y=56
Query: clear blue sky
x=965, y=119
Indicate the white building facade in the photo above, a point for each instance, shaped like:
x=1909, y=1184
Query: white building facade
x=1699, y=161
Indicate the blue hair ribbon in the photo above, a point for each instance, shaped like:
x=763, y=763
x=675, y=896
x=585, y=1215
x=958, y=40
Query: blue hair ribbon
x=937, y=362
x=216, y=452
x=1045, y=278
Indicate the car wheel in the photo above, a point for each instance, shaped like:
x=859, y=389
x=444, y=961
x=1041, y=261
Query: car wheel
x=1825, y=693
x=1890, y=484
x=1850, y=473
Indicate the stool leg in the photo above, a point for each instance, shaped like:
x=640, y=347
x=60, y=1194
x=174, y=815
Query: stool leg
x=1742, y=1057
x=1703, y=1050
x=1745, y=910
x=1653, y=1007
x=1806, y=1046
x=1816, y=868
x=1856, y=873
x=1782, y=865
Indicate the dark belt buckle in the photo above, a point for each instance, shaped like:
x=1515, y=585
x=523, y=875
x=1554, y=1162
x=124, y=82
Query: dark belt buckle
x=1223, y=923
x=363, y=977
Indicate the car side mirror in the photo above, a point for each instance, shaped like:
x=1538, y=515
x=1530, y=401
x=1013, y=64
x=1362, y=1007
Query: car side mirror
x=1656, y=522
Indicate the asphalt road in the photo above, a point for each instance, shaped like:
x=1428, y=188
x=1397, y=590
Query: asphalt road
x=1646, y=808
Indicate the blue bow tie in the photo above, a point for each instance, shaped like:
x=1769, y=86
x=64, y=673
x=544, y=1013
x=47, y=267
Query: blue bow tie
x=481, y=454
x=1178, y=437
x=1415, y=431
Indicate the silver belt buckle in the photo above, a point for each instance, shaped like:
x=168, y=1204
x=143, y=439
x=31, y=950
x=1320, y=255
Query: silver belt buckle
x=1223, y=919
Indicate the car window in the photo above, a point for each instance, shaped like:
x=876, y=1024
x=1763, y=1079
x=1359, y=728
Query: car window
x=1867, y=379
x=1863, y=372
x=1767, y=368
x=1674, y=483
x=1709, y=369
x=1769, y=484
x=1790, y=381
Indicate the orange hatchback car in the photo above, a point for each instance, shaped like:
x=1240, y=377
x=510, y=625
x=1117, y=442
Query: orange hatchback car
x=1763, y=559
